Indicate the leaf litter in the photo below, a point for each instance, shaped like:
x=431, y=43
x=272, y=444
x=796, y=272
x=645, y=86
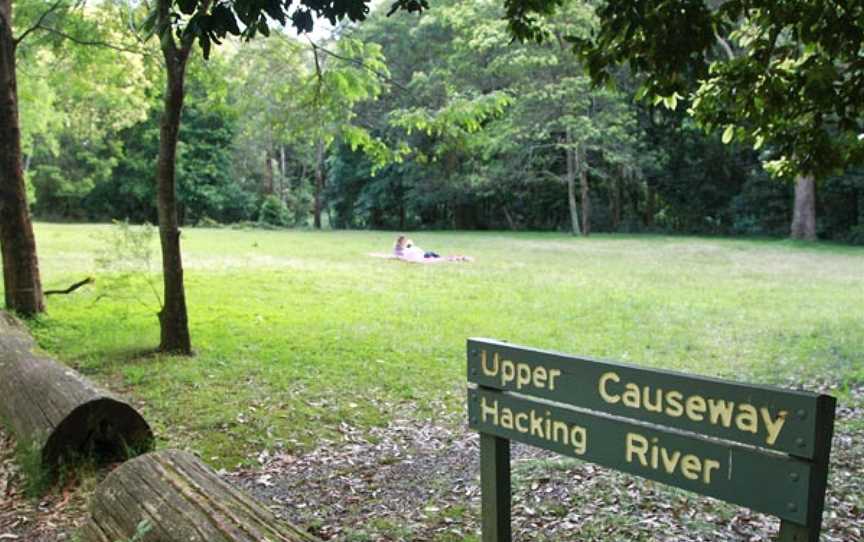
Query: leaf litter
x=418, y=480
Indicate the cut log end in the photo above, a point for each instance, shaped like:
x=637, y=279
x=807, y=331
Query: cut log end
x=56, y=413
x=103, y=430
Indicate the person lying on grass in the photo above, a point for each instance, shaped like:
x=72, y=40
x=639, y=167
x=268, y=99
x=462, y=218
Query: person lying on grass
x=405, y=249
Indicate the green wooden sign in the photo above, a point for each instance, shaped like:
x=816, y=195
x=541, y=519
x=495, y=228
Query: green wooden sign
x=756, y=446
x=762, y=416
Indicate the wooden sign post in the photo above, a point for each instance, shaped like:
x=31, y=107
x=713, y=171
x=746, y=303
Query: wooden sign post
x=757, y=446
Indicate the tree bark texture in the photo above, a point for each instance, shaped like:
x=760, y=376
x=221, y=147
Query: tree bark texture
x=57, y=413
x=615, y=198
x=571, y=185
x=804, y=214
x=173, y=318
x=319, y=180
x=183, y=501
x=650, y=205
x=585, y=192
x=21, y=281
x=268, y=187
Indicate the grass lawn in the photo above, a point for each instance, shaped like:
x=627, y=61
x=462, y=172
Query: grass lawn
x=297, y=332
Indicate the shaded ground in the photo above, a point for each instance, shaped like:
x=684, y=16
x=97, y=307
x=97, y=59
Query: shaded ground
x=50, y=519
x=419, y=481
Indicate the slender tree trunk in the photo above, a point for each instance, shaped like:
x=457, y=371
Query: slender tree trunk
x=509, y=218
x=585, y=192
x=22, y=285
x=615, y=198
x=804, y=215
x=319, y=180
x=173, y=317
x=571, y=186
x=267, y=189
x=283, y=171
x=650, y=204
x=402, y=210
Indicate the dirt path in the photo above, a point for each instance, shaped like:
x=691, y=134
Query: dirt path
x=419, y=482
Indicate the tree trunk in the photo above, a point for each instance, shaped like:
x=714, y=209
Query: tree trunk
x=267, y=189
x=615, y=198
x=283, y=171
x=571, y=185
x=319, y=180
x=22, y=285
x=804, y=215
x=586, y=195
x=509, y=218
x=56, y=413
x=183, y=500
x=650, y=204
x=173, y=317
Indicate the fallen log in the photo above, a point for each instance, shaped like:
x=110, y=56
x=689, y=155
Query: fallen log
x=58, y=414
x=176, y=498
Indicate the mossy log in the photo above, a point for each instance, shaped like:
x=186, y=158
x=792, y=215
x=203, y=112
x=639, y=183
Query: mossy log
x=58, y=414
x=179, y=499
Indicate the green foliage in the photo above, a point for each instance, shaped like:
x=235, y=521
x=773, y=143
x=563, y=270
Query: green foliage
x=125, y=262
x=274, y=212
x=37, y=479
x=856, y=235
x=781, y=73
x=141, y=531
x=468, y=131
x=192, y=20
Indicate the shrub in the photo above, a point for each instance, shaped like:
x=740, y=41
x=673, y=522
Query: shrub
x=274, y=212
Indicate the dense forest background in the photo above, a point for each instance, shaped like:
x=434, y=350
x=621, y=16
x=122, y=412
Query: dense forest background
x=437, y=121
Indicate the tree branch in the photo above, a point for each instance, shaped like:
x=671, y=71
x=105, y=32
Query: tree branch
x=726, y=47
x=39, y=22
x=360, y=63
x=69, y=290
x=91, y=43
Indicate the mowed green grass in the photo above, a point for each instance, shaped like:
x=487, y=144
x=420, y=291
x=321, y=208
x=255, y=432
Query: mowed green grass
x=297, y=332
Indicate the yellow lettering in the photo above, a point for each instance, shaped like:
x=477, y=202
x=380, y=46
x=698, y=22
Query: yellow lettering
x=523, y=375
x=636, y=445
x=506, y=418
x=601, y=387
x=492, y=411
x=508, y=371
x=559, y=427
x=488, y=371
x=536, y=425
x=553, y=374
x=579, y=439
x=747, y=420
x=655, y=453
x=540, y=377
x=520, y=418
x=670, y=462
x=631, y=395
x=695, y=408
x=690, y=467
x=710, y=465
x=673, y=404
x=773, y=426
x=721, y=411
x=646, y=399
